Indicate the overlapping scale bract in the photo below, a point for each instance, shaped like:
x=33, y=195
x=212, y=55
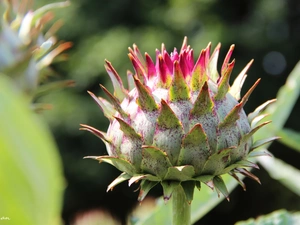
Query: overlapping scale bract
x=182, y=122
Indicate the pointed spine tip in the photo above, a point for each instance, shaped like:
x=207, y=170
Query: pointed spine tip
x=130, y=50
x=212, y=64
x=167, y=117
x=168, y=61
x=163, y=47
x=199, y=71
x=130, y=80
x=179, y=89
x=249, y=92
x=232, y=116
x=145, y=99
x=164, y=74
x=167, y=198
x=196, y=137
x=248, y=174
x=223, y=83
x=96, y=132
x=259, y=109
x=119, y=91
x=184, y=44
x=208, y=48
x=92, y=157
x=127, y=129
x=90, y=93
x=204, y=103
x=151, y=71
x=104, y=105
x=218, y=47
x=227, y=59
x=138, y=67
x=236, y=87
x=115, y=102
x=240, y=181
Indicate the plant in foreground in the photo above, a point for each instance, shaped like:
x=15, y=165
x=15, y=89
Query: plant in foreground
x=28, y=48
x=179, y=124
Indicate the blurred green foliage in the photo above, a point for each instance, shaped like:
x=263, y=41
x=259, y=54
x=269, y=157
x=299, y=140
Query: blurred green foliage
x=280, y=217
x=30, y=167
x=27, y=48
x=267, y=31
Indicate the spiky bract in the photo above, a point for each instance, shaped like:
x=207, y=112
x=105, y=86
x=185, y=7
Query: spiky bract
x=179, y=122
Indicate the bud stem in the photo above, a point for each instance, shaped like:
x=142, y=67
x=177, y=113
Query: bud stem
x=181, y=207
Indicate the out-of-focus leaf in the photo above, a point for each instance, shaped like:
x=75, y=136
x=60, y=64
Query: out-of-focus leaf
x=282, y=108
x=280, y=217
x=46, y=88
x=280, y=111
x=41, y=11
x=286, y=99
x=290, y=138
x=28, y=46
x=283, y=172
x=204, y=200
x=30, y=169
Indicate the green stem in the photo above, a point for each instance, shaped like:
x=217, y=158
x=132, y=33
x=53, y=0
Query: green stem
x=181, y=207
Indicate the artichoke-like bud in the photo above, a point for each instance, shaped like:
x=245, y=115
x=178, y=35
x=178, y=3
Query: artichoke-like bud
x=27, y=49
x=179, y=123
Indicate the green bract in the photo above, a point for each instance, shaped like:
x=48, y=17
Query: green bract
x=179, y=123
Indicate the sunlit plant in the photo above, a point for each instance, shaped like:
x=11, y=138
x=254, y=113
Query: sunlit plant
x=179, y=124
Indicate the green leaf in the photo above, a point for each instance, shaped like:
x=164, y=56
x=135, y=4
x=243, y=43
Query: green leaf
x=286, y=99
x=261, y=142
x=290, y=138
x=280, y=217
x=49, y=87
x=282, y=108
x=283, y=172
x=260, y=152
x=41, y=11
x=280, y=111
x=206, y=199
x=162, y=214
x=30, y=168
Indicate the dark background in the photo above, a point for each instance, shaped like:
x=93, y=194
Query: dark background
x=268, y=31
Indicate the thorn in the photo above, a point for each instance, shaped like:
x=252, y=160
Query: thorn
x=184, y=44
